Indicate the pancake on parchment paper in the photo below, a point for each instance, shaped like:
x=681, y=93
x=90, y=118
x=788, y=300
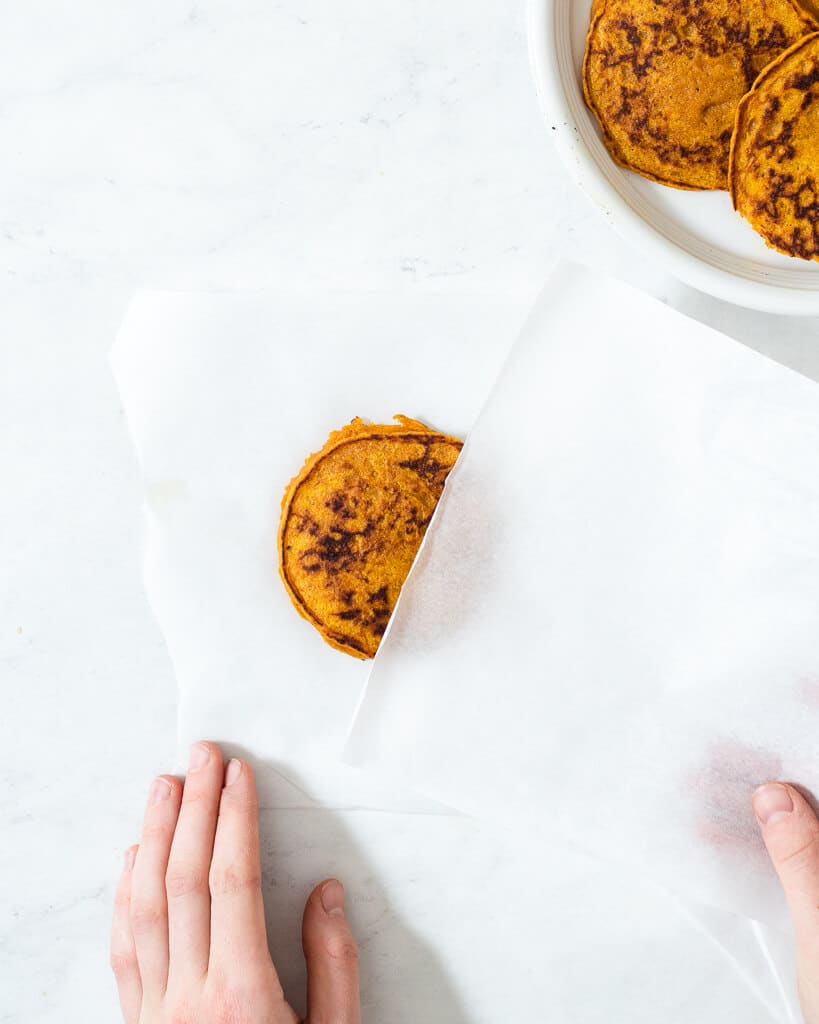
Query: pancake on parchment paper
x=352, y=521
x=664, y=78
x=775, y=153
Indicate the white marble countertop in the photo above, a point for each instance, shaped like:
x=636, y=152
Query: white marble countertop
x=304, y=144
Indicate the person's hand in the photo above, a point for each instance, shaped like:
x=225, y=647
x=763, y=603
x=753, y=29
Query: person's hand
x=791, y=833
x=188, y=943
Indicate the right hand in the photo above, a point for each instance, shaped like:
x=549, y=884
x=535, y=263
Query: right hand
x=791, y=833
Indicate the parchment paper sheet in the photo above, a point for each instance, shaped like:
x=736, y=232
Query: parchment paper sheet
x=612, y=628
x=226, y=395
x=460, y=923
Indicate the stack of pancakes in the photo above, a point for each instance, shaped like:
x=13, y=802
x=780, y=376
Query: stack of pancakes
x=715, y=94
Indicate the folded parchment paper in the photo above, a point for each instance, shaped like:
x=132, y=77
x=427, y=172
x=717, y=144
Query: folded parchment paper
x=226, y=395
x=612, y=629
x=459, y=923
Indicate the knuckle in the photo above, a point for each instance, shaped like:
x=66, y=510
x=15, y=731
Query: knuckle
x=184, y=880
x=804, y=855
x=226, y=1014
x=182, y=1015
x=225, y=1007
x=122, y=898
x=194, y=794
x=341, y=946
x=146, y=916
x=122, y=964
x=156, y=831
x=228, y=879
x=239, y=804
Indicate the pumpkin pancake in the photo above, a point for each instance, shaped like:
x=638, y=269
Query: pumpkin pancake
x=775, y=152
x=352, y=522
x=664, y=78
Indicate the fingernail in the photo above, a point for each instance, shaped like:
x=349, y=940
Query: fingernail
x=130, y=857
x=233, y=771
x=772, y=802
x=160, y=790
x=200, y=755
x=332, y=897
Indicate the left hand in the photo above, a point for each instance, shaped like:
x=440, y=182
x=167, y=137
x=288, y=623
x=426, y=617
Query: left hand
x=189, y=944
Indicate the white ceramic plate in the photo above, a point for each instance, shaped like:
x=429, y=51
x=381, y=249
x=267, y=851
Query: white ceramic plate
x=697, y=235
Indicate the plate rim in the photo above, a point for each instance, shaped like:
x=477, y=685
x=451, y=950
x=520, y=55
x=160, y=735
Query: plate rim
x=589, y=177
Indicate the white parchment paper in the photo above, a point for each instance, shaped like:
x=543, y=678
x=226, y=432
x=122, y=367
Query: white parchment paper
x=459, y=922
x=226, y=395
x=612, y=630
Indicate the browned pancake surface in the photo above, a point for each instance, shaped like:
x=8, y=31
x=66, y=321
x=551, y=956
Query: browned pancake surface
x=665, y=77
x=352, y=522
x=775, y=154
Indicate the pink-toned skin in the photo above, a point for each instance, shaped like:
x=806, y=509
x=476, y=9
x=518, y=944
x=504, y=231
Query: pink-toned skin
x=188, y=942
x=790, y=830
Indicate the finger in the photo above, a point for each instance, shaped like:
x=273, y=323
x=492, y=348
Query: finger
x=332, y=958
x=791, y=833
x=186, y=881
x=237, y=935
x=149, y=905
x=123, y=952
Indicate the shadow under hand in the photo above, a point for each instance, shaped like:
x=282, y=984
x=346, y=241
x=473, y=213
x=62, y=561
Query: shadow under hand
x=402, y=978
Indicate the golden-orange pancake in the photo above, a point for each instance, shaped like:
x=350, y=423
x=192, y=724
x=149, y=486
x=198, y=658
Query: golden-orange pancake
x=352, y=521
x=775, y=152
x=665, y=77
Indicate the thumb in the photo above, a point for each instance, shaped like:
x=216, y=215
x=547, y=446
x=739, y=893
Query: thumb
x=790, y=830
x=332, y=958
